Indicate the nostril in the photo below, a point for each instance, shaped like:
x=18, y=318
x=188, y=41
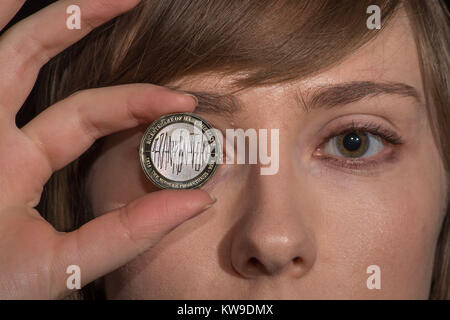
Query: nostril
x=255, y=265
x=297, y=260
x=253, y=261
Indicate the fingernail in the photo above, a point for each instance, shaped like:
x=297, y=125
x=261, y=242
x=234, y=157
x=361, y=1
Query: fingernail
x=193, y=97
x=213, y=200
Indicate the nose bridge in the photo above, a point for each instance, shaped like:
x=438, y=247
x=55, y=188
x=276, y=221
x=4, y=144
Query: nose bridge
x=271, y=237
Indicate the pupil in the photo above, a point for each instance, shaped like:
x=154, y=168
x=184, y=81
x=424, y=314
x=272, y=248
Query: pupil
x=352, y=142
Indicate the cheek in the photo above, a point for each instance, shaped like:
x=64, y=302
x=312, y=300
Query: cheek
x=116, y=179
x=391, y=221
x=183, y=265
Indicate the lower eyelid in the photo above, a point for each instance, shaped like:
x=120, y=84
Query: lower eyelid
x=221, y=174
x=387, y=155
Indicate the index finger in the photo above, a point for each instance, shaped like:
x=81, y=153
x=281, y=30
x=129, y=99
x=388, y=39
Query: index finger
x=7, y=10
x=29, y=44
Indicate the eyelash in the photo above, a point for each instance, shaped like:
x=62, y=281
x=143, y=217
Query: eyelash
x=386, y=135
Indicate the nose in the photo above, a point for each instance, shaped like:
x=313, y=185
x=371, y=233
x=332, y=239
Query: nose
x=272, y=237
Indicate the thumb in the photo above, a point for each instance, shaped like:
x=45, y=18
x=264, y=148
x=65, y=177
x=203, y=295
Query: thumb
x=111, y=240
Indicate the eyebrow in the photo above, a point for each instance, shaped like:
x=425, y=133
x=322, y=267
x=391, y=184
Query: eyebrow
x=345, y=93
x=328, y=96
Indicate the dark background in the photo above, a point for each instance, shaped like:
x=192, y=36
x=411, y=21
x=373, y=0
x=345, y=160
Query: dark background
x=28, y=8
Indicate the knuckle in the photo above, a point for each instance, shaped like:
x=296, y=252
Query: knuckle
x=25, y=50
x=39, y=153
x=132, y=110
x=125, y=225
x=79, y=100
x=165, y=207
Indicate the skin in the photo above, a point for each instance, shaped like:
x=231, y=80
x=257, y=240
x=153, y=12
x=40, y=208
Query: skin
x=311, y=230
x=34, y=257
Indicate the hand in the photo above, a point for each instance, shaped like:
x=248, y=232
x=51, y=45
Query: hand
x=33, y=255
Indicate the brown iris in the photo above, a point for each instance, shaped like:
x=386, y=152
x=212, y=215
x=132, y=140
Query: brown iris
x=352, y=144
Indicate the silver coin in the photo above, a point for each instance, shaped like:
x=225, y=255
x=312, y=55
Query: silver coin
x=180, y=151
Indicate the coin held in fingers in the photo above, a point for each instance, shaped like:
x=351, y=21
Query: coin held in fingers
x=180, y=151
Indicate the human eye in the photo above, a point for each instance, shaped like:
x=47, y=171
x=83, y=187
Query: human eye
x=358, y=145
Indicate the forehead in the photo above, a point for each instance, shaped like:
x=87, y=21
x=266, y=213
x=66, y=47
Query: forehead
x=390, y=57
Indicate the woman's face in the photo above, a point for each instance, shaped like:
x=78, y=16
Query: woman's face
x=312, y=229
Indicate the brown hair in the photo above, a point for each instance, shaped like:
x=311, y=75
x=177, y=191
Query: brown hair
x=272, y=41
